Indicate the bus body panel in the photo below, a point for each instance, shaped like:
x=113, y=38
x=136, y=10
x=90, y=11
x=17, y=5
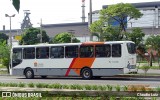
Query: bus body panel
x=103, y=66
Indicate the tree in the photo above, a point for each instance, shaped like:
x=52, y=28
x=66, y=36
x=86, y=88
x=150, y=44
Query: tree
x=136, y=36
x=154, y=44
x=31, y=36
x=151, y=44
x=111, y=33
x=64, y=37
x=103, y=32
x=97, y=29
x=119, y=13
x=5, y=54
x=3, y=37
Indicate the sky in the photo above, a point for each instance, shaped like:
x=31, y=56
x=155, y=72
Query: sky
x=51, y=11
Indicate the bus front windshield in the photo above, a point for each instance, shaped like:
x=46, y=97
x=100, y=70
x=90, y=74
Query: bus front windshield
x=17, y=54
x=16, y=57
x=131, y=48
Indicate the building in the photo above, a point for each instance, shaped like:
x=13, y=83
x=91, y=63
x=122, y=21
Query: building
x=78, y=29
x=150, y=21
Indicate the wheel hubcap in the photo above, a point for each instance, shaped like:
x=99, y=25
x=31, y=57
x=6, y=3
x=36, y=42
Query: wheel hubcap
x=29, y=73
x=86, y=74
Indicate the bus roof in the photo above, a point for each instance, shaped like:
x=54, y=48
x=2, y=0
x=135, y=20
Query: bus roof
x=70, y=44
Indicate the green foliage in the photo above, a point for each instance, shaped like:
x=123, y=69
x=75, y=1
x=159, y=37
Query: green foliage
x=13, y=84
x=118, y=88
x=153, y=43
x=102, y=88
x=21, y=84
x=104, y=29
x=31, y=36
x=145, y=68
x=125, y=88
x=109, y=87
x=16, y=4
x=112, y=33
x=57, y=86
x=5, y=54
x=136, y=35
x=31, y=85
x=119, y=12
x=42, y=85
x=87, y=87
x=64, y=38
x=158, y=89
x=94, y=87
x=3, y=37
x=97, y=28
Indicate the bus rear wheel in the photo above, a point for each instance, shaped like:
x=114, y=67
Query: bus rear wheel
x=29, y=73
x=86, y=73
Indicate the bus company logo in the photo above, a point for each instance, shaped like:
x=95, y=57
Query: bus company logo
x=6, y=94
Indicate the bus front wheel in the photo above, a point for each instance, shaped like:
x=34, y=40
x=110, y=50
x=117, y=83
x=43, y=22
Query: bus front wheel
x=86, y=73
x=29, y=73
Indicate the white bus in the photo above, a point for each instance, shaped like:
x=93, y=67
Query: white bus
x=87, y=60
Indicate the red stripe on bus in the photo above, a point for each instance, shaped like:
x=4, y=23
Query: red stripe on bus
x=67, y=73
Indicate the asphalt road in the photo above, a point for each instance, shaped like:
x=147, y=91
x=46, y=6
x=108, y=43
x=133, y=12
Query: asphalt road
x=151, y=81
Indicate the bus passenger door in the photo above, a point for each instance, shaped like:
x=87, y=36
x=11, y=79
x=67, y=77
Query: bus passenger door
x=116, y=59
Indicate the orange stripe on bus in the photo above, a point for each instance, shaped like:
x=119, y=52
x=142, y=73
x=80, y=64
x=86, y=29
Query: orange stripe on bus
x=92, y=43
x=78, y=63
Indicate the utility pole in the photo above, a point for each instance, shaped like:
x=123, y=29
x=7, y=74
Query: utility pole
x=41, y=30
x=90, y=18
x=10, y=34
x=72, y=32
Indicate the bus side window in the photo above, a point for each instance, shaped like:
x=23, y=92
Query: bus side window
x=71, y=51
x=103, y=50
x=42, y=52
x=29, y=53
x=57, y=52
x=116, y=50
x=86, y=51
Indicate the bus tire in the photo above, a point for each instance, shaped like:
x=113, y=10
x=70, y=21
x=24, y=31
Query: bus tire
x=86, y=73
x=29, y=73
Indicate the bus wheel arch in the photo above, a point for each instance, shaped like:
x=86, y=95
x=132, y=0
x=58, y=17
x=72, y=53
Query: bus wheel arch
x=86, y=73
x=29, y=73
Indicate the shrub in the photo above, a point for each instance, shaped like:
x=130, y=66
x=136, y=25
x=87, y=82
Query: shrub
x=145, y=68
x=125, y=88
x=21, y=84
x=31, y=85
x=118, y=88
x=109, y=87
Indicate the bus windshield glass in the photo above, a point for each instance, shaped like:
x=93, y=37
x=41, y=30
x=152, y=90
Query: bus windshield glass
x=17, y=54
x=131, y=48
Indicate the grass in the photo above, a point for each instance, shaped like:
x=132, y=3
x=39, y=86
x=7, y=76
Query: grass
x=77, y=98
x=152, y=67
x=3, y=72
x=1, y=66
x=21, y=84
x=31, y=85
x=158, y=89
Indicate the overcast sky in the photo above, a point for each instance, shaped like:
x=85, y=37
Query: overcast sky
x=51, y=11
